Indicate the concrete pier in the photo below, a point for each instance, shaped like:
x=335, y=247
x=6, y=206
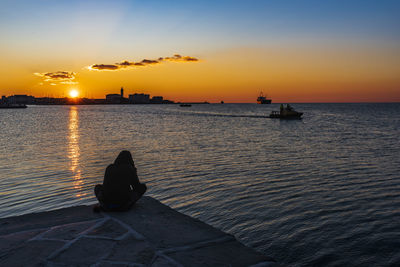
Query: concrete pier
x=151, y=234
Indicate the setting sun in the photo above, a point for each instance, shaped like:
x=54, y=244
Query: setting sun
x=73, y=93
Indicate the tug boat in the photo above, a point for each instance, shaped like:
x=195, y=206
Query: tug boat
x=286, y=113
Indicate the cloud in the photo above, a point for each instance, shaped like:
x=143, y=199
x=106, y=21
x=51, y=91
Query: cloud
x=104, y=67
x=145, y=62
x=68, y=77
x=68, y=82
x=58, y=77
x=149, y=61
x=179, y=58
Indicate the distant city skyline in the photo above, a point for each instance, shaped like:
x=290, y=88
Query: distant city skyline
x=75, y=99
x=294, y=51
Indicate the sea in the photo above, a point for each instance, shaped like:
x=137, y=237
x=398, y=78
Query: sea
x=321, y=191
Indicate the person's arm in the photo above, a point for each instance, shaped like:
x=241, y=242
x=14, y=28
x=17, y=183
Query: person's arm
x=134, y=179
x=107, y=174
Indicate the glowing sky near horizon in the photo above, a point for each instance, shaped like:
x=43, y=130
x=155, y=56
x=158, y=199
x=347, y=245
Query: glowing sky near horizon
x=296, y=51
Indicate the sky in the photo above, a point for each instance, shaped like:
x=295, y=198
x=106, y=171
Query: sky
x=293, y=51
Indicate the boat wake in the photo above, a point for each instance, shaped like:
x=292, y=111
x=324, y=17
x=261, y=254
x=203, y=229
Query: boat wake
x=225, y=115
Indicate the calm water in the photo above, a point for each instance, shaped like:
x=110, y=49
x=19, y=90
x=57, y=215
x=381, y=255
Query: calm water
x=321, y=191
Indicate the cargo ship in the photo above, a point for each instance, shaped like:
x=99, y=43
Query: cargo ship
x=262, y=99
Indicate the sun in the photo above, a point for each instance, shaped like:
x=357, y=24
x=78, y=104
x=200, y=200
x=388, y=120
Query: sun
x=73, y=93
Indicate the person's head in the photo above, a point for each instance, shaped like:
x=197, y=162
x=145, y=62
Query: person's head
x=124, y=157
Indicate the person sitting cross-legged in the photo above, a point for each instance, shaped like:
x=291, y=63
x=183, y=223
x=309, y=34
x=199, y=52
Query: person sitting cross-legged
x=121, y=187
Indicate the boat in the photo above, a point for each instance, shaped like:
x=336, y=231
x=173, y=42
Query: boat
x=262, y=99
x=185, y=105
x=13, y=106
x=286, y=113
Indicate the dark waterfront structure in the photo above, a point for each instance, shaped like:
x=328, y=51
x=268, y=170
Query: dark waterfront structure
x=139, y=99
x=18, y=99
x=157, y=100
x=114, y=99
x=117, y=98
x=12, y=106
x=51, y=101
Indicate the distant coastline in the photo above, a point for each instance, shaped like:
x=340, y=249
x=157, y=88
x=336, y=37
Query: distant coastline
x=110, y=99
x=114, y=99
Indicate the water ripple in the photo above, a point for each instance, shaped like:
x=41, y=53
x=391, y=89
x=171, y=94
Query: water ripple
x=322, y=191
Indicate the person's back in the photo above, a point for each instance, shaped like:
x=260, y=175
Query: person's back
x=117, y=183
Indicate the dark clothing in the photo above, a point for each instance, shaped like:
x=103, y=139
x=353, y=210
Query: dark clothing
x=121, y=187
x=119, y=181
x=107, y=206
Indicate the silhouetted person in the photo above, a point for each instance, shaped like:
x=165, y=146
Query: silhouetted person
x=121, y=187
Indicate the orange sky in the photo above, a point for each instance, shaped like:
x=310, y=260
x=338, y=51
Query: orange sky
x=287, y=74
x=296, y=64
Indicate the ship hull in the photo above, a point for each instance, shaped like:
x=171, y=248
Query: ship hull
x=265, y=101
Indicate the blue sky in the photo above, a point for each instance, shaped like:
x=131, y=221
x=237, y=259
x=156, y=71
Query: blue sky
x=248, y=22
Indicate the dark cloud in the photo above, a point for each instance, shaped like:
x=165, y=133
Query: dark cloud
x=62, y=77
x=104, y=67
x=187, y=58
x=58, y=75
x=179, y=58
x=149, y=61
x=143, y=63
x=126, y=63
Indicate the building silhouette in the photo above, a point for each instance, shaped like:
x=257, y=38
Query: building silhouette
x=110, y=99
x=113, y=99
x=156, y=100
x=139, y=99
x=18, y=99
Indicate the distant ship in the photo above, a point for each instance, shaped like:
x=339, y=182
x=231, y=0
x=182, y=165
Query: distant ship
x=185, y=105
x=262, y=99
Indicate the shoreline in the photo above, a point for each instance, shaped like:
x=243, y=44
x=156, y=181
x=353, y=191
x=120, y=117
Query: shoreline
x=150, y=234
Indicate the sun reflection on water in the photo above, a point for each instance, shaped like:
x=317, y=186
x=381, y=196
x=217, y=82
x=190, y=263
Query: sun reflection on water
x=74, y=152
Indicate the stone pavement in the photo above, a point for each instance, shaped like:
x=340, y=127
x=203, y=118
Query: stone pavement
x=151, y=234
